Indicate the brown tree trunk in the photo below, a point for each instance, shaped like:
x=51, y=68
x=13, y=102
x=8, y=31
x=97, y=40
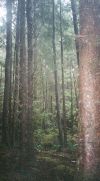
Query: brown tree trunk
x=90, y=88
x=56, y=79
x=8, y=65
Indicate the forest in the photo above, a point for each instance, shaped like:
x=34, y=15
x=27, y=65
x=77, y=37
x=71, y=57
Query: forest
x=49, y=90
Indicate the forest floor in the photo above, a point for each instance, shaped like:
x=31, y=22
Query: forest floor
x=47, y=166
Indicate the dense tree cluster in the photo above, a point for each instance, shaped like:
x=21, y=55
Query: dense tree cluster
x=35, y=78
x=49, y=79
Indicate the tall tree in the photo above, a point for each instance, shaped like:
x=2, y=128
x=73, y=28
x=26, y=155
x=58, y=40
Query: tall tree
x=90, y=88
x=1, y=67
x=75, y=23
x=35, y=34
x=23, y=101
x=56, y=79
x=16, y=81
x=63, y=81
x=8, y=66
x=30, y=69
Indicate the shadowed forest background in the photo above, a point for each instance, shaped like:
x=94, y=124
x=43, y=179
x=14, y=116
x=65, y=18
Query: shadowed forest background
x=49, y=90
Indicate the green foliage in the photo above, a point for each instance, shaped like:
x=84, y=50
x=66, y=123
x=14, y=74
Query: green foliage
x=72, y=143
x=46, y=140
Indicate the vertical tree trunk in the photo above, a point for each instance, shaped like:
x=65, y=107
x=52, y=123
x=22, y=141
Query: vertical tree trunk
x=75, y=23
x=0, y=75
x=43, y=96
x=64, y=121
x=1, y=94
x=56, y=79
x=51, y=105
x=90, y=88
x=30, y=71
x=7, y=89
x=16, y=86
x=23, y=83
x=35, y=49
x=71, y=91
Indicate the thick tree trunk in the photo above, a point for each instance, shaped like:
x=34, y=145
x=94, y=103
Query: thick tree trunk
x=56, y=79
x=7, y=89
x=90, y=88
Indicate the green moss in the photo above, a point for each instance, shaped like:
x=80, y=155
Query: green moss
x=60, y=168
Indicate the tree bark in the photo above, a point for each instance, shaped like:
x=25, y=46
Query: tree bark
x=0, y=75
x=30, y=71
x=35, y=49
x=56, y=80
x=7, y=88
x=15, y=134
x=71, y=89
x=64, y=121
x=75, y=23
x=90, y=88
x=23, y=100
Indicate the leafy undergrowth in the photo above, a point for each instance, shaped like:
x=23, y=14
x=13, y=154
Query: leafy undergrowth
x=45, y=167
x=55, y=169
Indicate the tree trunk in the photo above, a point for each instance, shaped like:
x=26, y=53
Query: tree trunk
x=30, y=71
x=64, y=121
x=8, y=65
x=75, y=23
x=56, y=79
x=71, y=100
x=90, y=88
x=16, y=86
x=0, y=75
x=35, y=50
x=23, y=83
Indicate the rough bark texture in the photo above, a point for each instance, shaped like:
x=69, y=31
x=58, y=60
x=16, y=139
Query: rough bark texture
x=90, y=88
x=7, y=89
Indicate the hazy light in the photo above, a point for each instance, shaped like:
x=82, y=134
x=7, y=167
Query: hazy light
x=66, y=1
x=2, y=14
